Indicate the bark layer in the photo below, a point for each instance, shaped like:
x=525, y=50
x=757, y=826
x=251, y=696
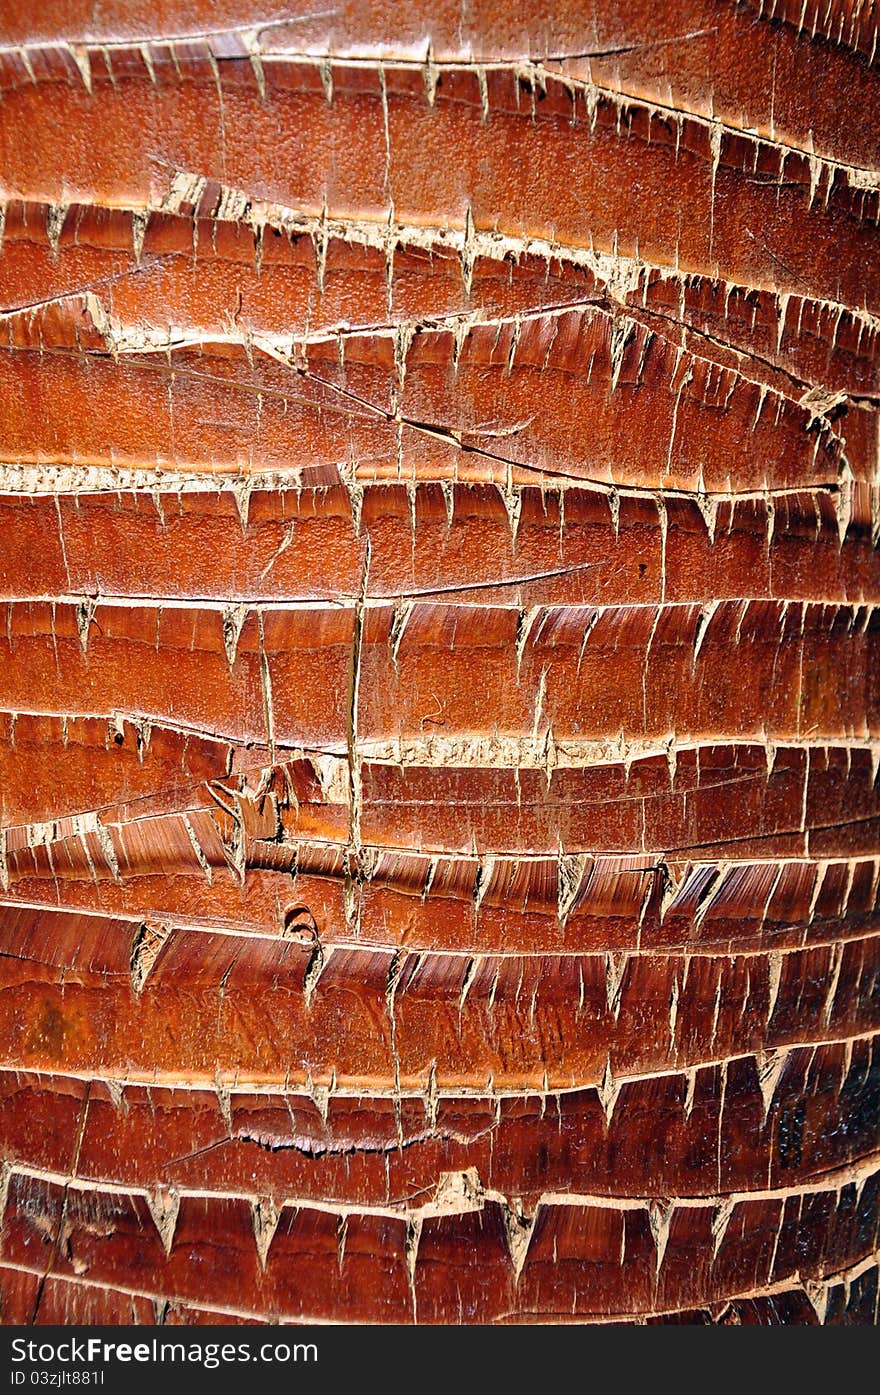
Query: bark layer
x=439, y=730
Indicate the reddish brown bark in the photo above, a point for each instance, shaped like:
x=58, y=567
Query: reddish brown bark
x=439, y=730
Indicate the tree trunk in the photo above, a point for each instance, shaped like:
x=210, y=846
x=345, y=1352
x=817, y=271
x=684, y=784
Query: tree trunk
x=439, y=727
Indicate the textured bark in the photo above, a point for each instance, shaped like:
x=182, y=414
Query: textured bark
x=439, y=717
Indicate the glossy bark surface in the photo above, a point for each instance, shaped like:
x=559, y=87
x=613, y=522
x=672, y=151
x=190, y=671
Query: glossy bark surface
x=439, y=655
